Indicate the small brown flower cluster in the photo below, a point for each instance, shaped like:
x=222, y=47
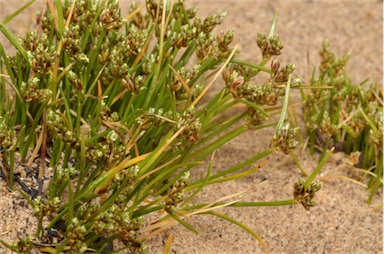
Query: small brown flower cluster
x=45, y=20
x=74, y=79
x=23, y=245
x=284, y=139
x=40, y=51
x=256, y=117
x=154, y=118
x=110, y=17
x=139, y=20
x=128, y=174
x=269, y=46
x=117, y=220
x=187, y=29
x=329, y=61
x=106, y=150
x=279, y=76
x=75, y=234
x=326, y=128
x=236, y=74
x=31, y=92
x=265, y=94
x=7, y=135
x=215, y=47
x=304, y=196
x=180, y=84
x=72, y=44
x=134, y=41
x=63, y=175
x=175, y=194
x=48, y=207
x=192, y=125
x=57, y=124
x=238, y=81
x=118, y=52
x=106, y=114
x=224, y=40
x=238, y=78
x=155, y=9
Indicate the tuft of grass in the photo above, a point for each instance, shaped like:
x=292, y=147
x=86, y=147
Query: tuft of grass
x=346, y=116
x=111, y=111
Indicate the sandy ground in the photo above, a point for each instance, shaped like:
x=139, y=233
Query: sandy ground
x=341, y=222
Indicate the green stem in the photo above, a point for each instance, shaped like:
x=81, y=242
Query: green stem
x=201, y=153
x=378, y=179
x=317, y=169
x=285, y=106
x=231, y=170
x=274, y=21
x=266, y=203
x=11, y=169
x=255, y=66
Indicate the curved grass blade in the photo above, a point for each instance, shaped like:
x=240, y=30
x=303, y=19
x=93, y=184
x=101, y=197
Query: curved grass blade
x=241, y=225
x=13, y=40
x=172, y=213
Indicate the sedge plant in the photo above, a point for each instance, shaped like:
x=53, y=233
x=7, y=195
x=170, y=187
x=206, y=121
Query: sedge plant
x=107, y=115
x=346, y=115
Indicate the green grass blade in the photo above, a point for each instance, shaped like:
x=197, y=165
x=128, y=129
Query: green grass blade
x=203, y=183
x=265, y=203
x=10, y=17
x=254, y=66
x=369, y=120
x=274, y=21
x=13, y=40
x=199, y=155
x=9, y=69
x=285, y=106
x=377, y=181
x=241, y=225
x=71, y=203
x=232, y=169
x=318, y=168
x=60, y=17
x=182, y=222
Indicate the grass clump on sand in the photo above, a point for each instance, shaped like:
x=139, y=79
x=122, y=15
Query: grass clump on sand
x=346, y=116
x=106, y=114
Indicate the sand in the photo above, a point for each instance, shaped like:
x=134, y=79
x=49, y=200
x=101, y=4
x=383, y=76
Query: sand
x=341, y=222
